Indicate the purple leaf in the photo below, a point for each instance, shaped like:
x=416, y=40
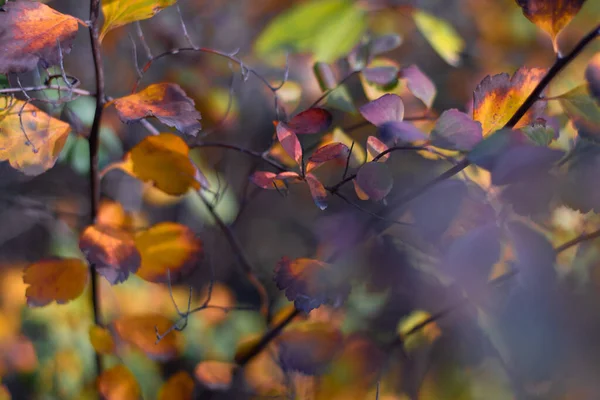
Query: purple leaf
x=375, y=179
x=383, y=44
x=289, y=141
x=381, y=75
x=388, y=107
x=455, y=130
x=313, y=120
x=521, y=162
x=317, y=191
x=400, y=131
x=419, y=84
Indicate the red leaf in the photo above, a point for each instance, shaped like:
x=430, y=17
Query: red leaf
x=326, y=153
x=263, y=179
x=388, y=107
x=289, y=141
x=317, y=191
x=376, y=147
x=313, y=120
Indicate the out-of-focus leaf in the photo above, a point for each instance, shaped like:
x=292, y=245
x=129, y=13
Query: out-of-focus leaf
x=380, y=75
x=167, y=249
x=375, y=147
x=486, y=153
x=583, y=111
x=419, y=84
x=313, y=120
x=179, y=386
x=101, y=340
x=340, y=98
x=521, y=162
x=110, y=251
x=308, y=347
x=359, y=192
x=30, y=32
x=30, y=139
x=374, y=91
x=582, y=168
x=592, y=75
x=122, y=12
x=363, y=53
x=424, y=336
x=388, y=107
x=328, y=28
x=326, y=153
x=165, y=101
x=140, y=331
x=4, y=393
x=541, y=132
x=289, y=141
x=400, y=132
x=317, y=191
x=455, y=130
x=59, y=280
x=550, y=15
x=375, y=179
x=498, y=97
x=118, y=383
x=441, y=36
x=215, y=375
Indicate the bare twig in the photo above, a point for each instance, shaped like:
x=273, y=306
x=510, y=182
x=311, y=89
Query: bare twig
x=252, y=153
x=140, y=33
x=39, y=88
x=578, y=240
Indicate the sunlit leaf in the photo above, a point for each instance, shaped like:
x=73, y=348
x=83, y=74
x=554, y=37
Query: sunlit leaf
x=140, y=331
x=375, y=179
x=592, y=75
x=455, y=130
x=165, y=101
x=118, y=383
x=110, y=251
x=313, y=120
x=179, y=386
x=308, y=347
x=59, y=280
x=520, y=162
x=551, y=15
x=375, y=147
x=419, y=84
x=122, y=12
x=359, y=192
x=326, y=153
x=441, y=36
x=101, y=339
x=317, y=191
x=289, y=141
x=498, y=97
x=215, y=375
x=30, y=32
x=388, y=107
x=400, y=132
x=423, y=336
x=30, y=139
x=266, y=180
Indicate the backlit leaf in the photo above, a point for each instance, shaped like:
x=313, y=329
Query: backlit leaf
x=400, y=132
x=375, y=147
x=122, y=12
x=101, y=339
x=375, y=179
x=424, y=336
x=167, y=246
x=266, y=180
x=326, y=153
x=165, y=101
x=419, y=84
x=441, y=36
x=215, y=375
x=388, y=107
x=551, y=15
x=30, y=139
x=30, y=32
x=317, y=191
x=359, y=192
x=583, y=111
x=520, y=162
x=110, y=251
x=118, y=383
x=313, y=120
x=289, y=141
x=455, y=130
x=59, y=280
x=179, y=386
x=592, y=75
x=140, y=331
x=498, y=97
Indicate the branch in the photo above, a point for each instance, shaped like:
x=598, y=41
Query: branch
x=577, y=240
x=240, y=149
x=80, y=92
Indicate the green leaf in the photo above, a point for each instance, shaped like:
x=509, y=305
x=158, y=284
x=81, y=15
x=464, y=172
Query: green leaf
x=441, y=36
x=327, y=28
x=580, y=106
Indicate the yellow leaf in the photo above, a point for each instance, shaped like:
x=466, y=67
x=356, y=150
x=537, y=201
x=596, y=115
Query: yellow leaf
x=441, y=36
x=122, y=12
x=140, y=331
x=167, y=246
x=101, y=340
x=415, y=335
x=118, y=383
x=180, y=386
x=59, y=280
x=30, y=139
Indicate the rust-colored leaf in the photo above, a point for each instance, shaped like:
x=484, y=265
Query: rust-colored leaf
x=118, y=383
x=101, y=339
x=30, y=139
x=122, y=12
x=30, y=32
x=140, y=331
x=551, y=15
x=59, y=280
x=215, y=375
x=110, y=251
x=313, y=120
x=165, y=101
x=592, y=75
x=167, y=246
x=498, y=97
x=266, y=180
x=330, y=151
x=375, y=147
x=289, y=141
x=317, y=191
x=179, y=386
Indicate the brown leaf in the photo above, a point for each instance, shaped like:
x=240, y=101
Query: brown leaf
x=118, y=383
x=59, y=280
x=165, y=101
x=30, y=32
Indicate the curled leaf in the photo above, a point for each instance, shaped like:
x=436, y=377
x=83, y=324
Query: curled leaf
x=122, y=12
x=413, y=339
x=419, y=84
x=289, y=141
x=375, y=179
x=455, y=130
x=118, y=383
x=59, y=280
x=388, y=107
x=140, y=331
x=313, y=120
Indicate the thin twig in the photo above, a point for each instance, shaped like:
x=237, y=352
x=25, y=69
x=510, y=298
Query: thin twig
x=243, y=150
x=140, y=33
x=578, y=240
x=39, y=88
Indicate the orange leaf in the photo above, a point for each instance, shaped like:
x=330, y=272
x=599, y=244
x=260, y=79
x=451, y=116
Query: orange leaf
x=101, y=339
x=140, y=331
x=550, y=15
x=30, y=139
x=4, y=393
x=118, y=383
x=111, y=251
x=498, y=97
x=180, y=386
x=59, y=280
x=215, y=375
x=165, y=101
x=30, y=32
x=167, y=246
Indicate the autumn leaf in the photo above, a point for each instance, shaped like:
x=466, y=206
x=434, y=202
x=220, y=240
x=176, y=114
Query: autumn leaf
x=388, y=107
x=441, y=36
x=317, y=191
x=375, y=180
x=30, y=32
x=382, y=76
x=167, y=249
x=313, y=120
x=110, y=251
x=122, y=12
x=140, y=331
x=118, y=383
x=179, y=386
x=59, y=280
x=289, y=141
x=165, y=101
x=215, y=375
x=374, y=148
x=551, y=15
x=101, y=340
x=419, y=84
x=329, y=152
x=455, y=130
x=498, y=97
x=30, y=139
x=267, y=180
x=413, y=337
x=592, y=75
